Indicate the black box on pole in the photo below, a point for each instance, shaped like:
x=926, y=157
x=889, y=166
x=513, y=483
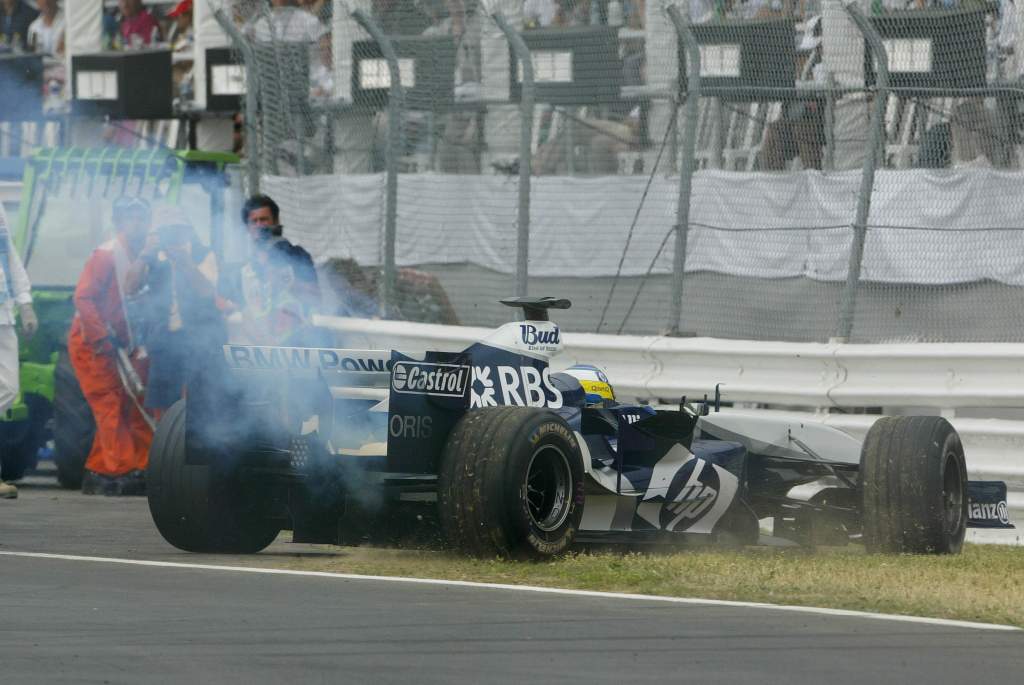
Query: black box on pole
x=122, y=85
x=743, y=58
x=932, y=49
x=225, y=80
x=426, y=67
x=571, y=66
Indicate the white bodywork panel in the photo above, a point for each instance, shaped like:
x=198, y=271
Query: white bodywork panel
x=773, y=436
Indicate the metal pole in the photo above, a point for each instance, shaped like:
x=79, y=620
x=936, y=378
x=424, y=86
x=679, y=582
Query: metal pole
x=829, y=163
x=395, y=106
x=252, y=165
x=867, y=178
x=522, y=54
x=687, y=162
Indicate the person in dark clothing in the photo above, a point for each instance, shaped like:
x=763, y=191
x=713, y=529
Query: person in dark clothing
x=262, y=219
x=183, y=322
x=248, y=288
x=15, y=18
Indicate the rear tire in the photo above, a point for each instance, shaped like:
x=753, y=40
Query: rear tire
x=199, y=508
x=511, y=483
x=914, y=486
x=73, y=425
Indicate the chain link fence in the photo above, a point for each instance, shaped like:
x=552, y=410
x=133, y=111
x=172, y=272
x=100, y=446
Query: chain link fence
x=836, y=170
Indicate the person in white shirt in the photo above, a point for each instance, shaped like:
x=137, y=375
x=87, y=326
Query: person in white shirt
x=539, y=13
x=46, y=33
x=14, y=290
x=287, y=22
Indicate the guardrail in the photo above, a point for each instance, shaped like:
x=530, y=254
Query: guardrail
x=816, y=377
x=943, y=376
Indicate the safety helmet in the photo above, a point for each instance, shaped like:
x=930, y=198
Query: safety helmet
x=127, y=204
x=572, y=392
x=596, y=388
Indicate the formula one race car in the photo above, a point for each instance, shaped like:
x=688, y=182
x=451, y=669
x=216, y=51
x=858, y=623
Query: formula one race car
x=512, y=459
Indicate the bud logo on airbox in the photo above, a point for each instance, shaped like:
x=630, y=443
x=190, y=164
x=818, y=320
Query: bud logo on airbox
x=540, y=336
x=439, y=380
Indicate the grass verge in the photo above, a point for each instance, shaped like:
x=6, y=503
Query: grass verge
x=985, y=583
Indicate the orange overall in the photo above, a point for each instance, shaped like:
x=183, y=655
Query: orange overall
x=122, y=437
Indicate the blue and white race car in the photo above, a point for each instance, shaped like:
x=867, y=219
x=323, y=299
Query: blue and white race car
x=518, y=461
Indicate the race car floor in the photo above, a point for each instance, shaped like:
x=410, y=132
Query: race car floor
x=66, y=618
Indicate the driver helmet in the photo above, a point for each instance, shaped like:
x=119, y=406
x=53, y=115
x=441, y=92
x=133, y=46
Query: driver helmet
x=598, y=392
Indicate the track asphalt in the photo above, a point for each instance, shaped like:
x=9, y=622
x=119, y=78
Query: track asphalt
x=66, y=620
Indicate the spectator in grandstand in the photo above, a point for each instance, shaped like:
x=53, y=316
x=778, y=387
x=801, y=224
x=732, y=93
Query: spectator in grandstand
x=539, y=13
x=46, y=33
x=754, y=9
x=1003, y=51
x=321, y=73
x=601, y=140
x=458, y=148
x=801, y=129
x=15, y=18
x=181, y=41
x=180, y=36
x=111, y=28
x=601, y=136
x=286, y=22
x=321, y=9
x=244, y=12
x=979, y=134
x=137, y=27
x=634, y=10
x=400, y=17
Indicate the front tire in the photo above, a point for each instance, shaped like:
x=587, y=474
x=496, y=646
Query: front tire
x=511, y=483
x=914, y=486
x=200, y=508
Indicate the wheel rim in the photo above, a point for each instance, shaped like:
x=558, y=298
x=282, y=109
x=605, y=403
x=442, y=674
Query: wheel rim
x=548, y=488
x=952, y=494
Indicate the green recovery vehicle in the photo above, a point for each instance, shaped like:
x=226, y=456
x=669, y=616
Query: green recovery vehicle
x=64, y=213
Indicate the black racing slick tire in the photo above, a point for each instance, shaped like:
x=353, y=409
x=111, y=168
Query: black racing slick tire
x=914, y=486
x=511, y=484
x=73, y=425
x=200, y=508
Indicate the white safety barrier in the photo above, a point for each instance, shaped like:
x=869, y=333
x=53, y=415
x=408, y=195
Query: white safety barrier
x=815, y=377
x=942, y=376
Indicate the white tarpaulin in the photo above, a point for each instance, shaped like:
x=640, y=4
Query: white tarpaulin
x=926, y=226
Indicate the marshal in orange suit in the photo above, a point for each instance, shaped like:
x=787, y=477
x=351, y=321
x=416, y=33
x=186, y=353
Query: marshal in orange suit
x=117, y=462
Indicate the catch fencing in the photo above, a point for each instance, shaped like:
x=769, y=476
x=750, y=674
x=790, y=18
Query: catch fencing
x=762, y=171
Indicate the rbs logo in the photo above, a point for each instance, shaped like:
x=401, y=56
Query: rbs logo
x=518, y=386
